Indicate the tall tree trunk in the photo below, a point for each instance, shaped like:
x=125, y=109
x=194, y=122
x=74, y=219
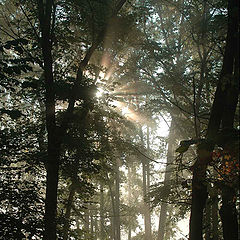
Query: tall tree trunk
x=91, y=222
x=95, y=225
x=199, y=197
x=199, y=188
x=102, y=234
x=215, y=221
x=117, y=201
x=228, y=210
x=229, y=214
x=68, y=212
x=212, y=211
x=113, y=232
x=164, y=206
x=129, y=234
x=146, y=182
x=147, y=215
x=208, y=220
x=53, y=148
x=87, y=221
x=112, y=227
x=129, y=199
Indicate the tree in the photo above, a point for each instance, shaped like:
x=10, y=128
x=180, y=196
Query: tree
x=145, y=61
x=217, y=116
x=47, y=15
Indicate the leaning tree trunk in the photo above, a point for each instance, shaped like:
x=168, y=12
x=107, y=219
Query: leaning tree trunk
x=199, y=188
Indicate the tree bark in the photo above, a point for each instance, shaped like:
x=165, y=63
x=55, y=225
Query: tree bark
x=229, y=214
x=199, y=195
x=215, y=218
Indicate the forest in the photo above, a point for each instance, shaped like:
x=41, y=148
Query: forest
x=119, y=120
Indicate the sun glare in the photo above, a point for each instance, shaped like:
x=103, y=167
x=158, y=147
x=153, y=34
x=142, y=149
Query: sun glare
x=101, y=75
x=99, y=93
x=125, y=111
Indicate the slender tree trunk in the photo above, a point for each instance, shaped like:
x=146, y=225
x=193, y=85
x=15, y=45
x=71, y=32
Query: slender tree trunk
x=117, y=201
x=129, y=200
x=78, y=223
x=96, y=226
x=68, y=212
x=147, y=215
x=53, y=149
x=129, y=234
x=113, y=232
x=101, y=213
x=215, y=221
x=208, y=220
x=214, y=212
x=87, y=221
x=91, y=223
x=112, y=228
x=146, y=182
x=170, y=157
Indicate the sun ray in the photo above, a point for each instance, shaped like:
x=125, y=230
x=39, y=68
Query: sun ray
x=128, y=112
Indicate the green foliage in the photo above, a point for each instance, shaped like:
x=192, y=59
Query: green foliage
x=21, y=184
x=13, y=62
